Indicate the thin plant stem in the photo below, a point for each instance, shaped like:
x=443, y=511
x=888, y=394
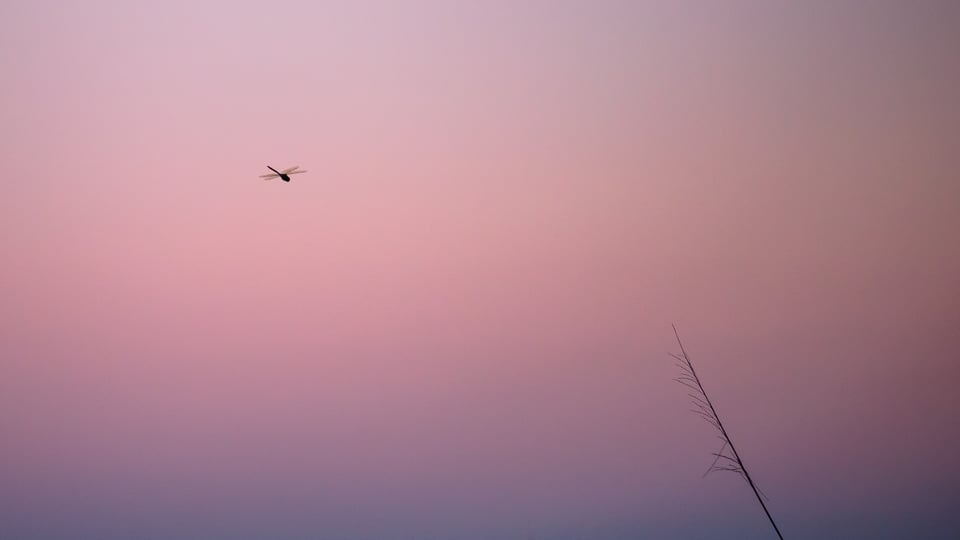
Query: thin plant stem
x=706, y=410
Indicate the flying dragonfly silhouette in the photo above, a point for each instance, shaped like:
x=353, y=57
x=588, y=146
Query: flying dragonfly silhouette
x=283, y=175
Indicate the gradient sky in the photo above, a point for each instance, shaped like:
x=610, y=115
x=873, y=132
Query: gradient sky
x=456, y=325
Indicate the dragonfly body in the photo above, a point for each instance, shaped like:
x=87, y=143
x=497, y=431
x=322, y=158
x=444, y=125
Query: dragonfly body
x=283, y=175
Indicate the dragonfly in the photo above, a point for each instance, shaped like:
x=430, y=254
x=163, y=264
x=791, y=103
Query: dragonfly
x=283, y=175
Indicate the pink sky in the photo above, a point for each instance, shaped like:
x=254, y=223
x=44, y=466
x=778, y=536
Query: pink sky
x=455, y=325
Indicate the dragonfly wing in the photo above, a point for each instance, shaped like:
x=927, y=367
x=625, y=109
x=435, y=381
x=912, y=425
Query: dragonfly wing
x=269, y=176
x=296, y=172
x=291, y=169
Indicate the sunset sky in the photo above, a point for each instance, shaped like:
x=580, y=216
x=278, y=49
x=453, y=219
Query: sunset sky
x=455, y=326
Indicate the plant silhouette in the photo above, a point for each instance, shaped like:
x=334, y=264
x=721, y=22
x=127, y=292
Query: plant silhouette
x=727, y=458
